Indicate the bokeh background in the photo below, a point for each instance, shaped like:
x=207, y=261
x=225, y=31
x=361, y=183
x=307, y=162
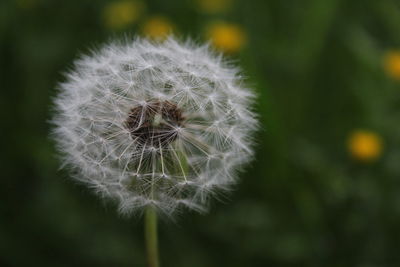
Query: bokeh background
x=324, y=189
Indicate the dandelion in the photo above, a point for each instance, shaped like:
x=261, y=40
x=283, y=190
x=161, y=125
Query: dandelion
x=392, y=64
x=118, y=15
x=161, y=124
x=226, y=37
x=158, y=125
x=365, y=145
x=157, y=27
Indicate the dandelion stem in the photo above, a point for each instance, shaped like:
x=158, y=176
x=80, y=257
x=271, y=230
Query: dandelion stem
x=151, y=237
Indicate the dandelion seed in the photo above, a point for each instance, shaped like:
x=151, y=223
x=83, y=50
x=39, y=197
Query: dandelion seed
x=165, y=124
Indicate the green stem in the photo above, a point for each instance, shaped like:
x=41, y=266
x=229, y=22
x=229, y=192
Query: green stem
x=150, y=228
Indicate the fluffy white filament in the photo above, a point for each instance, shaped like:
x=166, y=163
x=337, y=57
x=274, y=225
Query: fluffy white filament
x=161, y=160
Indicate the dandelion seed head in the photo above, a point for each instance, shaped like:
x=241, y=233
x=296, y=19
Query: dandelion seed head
x=166, y=124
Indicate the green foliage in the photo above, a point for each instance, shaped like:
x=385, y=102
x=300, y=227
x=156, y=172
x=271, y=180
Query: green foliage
x=318, y=69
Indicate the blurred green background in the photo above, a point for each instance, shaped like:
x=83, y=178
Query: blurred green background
x=324, y=187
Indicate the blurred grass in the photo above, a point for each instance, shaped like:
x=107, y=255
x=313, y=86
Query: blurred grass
x=318, y=69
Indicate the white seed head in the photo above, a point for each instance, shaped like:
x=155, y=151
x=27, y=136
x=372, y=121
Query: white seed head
x=164, y=124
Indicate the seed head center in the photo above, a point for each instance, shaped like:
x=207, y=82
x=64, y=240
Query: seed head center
x=154, y=123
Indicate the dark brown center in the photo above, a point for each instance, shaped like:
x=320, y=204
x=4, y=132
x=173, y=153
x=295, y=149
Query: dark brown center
x=154, y=123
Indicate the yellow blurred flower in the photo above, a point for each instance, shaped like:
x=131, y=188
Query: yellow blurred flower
x=213, y=6
x=157, y=27
x=392, y=64
x=227, y=37
x=120, y=14
x=365, y=145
